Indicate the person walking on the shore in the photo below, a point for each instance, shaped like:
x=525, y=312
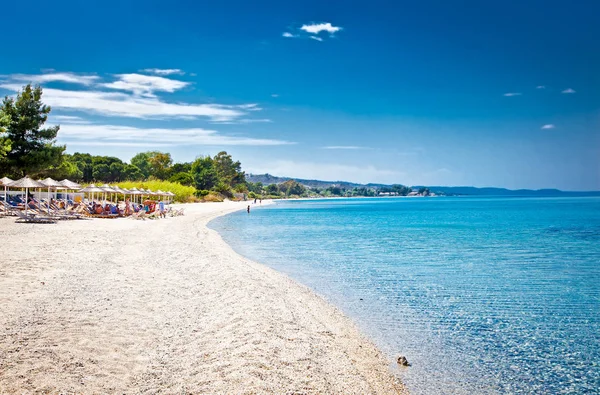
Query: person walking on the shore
x=248, y=209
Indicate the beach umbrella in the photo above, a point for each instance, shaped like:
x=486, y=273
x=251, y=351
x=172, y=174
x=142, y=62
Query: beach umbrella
x=68, y=184
x=107, y=189
x=134, y=191
x=5, y=181
x=170, y=194
x=50, y=183
x=91, y=189
x=26, y=183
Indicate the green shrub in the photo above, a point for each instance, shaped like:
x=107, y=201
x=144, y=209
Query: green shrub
x=182, y=193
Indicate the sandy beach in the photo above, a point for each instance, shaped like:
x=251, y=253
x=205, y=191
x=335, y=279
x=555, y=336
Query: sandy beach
x=166, y=306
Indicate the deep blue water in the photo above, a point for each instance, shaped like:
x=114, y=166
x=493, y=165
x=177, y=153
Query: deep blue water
x=482, y=295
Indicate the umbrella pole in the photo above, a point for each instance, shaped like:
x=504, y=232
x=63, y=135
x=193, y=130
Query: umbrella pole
x=26, y=200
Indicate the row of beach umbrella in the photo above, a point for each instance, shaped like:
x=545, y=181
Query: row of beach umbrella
x=48, y=183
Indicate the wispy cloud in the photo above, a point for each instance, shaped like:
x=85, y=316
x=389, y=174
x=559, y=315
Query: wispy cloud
x=55, y=77
x=131, y=105
x=510, y=94
x=569, y=90
x=243, y=121
x=344, y=147
x=164, y=71
x=145, y=85
x=540, y=87
x=274, y=95
x=289, y=35
x=69, y=119
x=317, y=28
x=316, y=38
x=548, y=126
x=116, y=135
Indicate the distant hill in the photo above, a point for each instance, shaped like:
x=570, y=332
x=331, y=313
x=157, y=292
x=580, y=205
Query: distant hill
x=267, y=179
x=473, y=191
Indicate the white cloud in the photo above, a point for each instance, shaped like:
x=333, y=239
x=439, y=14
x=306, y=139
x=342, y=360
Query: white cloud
x=68, y=119
x=131, y=106
x=320, y=27
x=145, y=85
x=289, y=35
x=55, y=77
x=326, y=171
x=349, y=147
x=548, y=126
x=163, y=71
x=117, y=135
x=510, y=94
x=569, y=90
x=274, y=95
x=316, y=38
x=540, y=87
x=243, y=121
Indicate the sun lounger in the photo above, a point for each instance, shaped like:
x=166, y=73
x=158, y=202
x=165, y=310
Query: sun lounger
x=37, y=219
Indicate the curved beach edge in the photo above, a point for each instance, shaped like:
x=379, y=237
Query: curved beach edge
x=167, y=306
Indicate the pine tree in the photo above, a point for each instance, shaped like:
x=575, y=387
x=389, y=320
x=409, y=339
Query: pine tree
x=32, y=147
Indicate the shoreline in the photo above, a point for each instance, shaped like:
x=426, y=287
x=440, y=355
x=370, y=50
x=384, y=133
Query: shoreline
x=135, y=306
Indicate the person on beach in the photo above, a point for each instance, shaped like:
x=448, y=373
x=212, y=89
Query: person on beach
x=248, y=209
x=161, y=209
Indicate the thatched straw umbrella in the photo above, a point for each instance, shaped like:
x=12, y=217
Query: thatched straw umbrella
x=134, y=191
x=26, y=183
x=107, y=188
x=170, y=194
x=91, y=189
x=50, y=183
x=5, y=181
x=68, y=184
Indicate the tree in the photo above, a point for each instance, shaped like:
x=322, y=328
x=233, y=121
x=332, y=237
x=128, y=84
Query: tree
x=160, y=164
x=101, y=172
x=84, y=163
x=67, y=168
x=32, y=146
x=292, y=187
x=228, y=171
x=204, y=173
x=272, y=189
x=142, y=162
x=132, y=173
x=184, y=178
x=4, y=141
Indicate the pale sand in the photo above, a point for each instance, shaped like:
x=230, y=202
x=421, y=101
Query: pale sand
x=165, y=306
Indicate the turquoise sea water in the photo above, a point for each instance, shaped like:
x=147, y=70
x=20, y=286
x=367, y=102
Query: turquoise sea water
x=482, y=295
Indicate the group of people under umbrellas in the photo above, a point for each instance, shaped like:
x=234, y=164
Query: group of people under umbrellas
x=49, y=184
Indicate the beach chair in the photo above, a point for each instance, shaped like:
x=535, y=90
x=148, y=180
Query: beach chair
x=36, y=219
x=139, y=215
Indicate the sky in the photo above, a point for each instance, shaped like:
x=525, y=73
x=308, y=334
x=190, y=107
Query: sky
x=482, y=93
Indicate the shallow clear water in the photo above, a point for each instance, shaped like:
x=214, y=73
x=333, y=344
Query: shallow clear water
x=481, y=295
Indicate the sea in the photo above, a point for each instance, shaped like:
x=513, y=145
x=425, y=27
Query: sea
x=481, y=295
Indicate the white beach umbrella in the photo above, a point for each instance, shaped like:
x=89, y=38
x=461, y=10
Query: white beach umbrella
x=91, y=189
x=68, y=184
x=170, y=194
x=5, y=181
x=107, y=189
x=50, y=183
x=26, y=183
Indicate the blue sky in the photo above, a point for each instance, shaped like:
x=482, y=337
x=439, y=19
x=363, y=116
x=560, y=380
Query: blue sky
x=484, y=93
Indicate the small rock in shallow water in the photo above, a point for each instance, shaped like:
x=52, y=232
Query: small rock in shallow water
x=403, y=361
